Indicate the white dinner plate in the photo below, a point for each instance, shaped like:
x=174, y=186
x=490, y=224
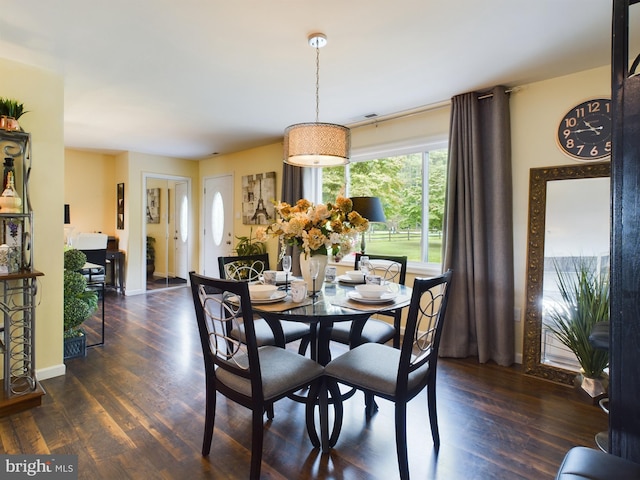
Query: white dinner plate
x=275, y=297
x=384, y=298
x=348, y=279
x=281, y=278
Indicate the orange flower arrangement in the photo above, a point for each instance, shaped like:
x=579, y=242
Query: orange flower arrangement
x=317, y=229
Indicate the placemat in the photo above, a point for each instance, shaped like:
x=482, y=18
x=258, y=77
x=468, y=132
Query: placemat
x=399, y=301
x=285, y=304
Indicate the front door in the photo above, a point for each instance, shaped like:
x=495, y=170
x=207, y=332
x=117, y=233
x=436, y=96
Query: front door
x=218, y=222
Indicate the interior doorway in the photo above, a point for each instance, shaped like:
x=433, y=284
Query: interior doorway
x=167, y=230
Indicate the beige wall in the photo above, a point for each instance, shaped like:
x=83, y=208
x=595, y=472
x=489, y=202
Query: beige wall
x=535, y=109
x=134, y=169
x=42, y=93
x=90, y=191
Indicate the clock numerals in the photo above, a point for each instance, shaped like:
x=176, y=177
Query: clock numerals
x=585, y=131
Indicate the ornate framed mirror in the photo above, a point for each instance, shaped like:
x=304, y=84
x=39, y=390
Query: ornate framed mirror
x=569, y=217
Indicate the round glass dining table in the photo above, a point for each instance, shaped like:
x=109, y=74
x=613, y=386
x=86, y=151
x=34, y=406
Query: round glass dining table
x=335, y=302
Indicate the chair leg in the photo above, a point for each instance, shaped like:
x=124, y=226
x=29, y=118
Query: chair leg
x=396, y=324
x=257, y=434
x=209, y=419
x=338, y=412
x=433, y=414
x=304, y=344
x=401, y=439
x=269, y=409
x=323, y=408
x=310, y=409
x=370, y=405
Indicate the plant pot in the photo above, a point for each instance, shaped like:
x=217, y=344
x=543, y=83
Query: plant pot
x=75, y=347
x=151, y=267
x=9, y=123
x=596, y=388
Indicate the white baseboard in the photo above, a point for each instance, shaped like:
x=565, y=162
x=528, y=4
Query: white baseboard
x=129, y=293
x=51, y=372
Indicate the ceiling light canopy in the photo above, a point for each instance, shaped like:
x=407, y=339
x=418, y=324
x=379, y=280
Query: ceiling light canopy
x=316, y=144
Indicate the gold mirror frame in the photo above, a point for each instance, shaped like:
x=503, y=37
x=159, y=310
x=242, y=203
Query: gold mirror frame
x=538, y=179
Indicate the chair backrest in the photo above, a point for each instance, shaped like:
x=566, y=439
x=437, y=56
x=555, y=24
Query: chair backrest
x=391, y=268
x=94, y=246
x=90, y=241
x=243, y=268
x=218, y=302
x=423, y=329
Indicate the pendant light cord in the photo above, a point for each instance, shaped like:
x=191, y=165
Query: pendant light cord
x=317, y=83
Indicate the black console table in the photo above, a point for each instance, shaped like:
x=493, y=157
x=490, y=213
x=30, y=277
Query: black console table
x=116, y=264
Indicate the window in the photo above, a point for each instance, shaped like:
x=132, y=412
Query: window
x=412, y=188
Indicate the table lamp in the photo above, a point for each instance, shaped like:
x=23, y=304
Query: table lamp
x=371, y=209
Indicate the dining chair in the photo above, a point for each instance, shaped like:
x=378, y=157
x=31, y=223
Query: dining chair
x=392, y=269
x=398, y=375
x=249, y=268
x=94, y=246
x=250, y=375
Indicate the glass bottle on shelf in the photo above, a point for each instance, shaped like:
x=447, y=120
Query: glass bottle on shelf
x=8, y=167
x=10, y=202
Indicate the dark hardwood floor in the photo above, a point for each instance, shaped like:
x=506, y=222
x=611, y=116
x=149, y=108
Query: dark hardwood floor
x=134, y=408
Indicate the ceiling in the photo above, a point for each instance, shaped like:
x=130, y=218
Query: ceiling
x=195, y=77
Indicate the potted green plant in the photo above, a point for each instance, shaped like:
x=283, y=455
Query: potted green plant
x=584, y=302
x=10, y=111
x=79, y=304
x=250, y=245
x=151, y=256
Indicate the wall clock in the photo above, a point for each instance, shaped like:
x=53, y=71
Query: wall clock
x=584, y=132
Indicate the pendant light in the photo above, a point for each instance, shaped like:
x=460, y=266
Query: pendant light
x=316, y=144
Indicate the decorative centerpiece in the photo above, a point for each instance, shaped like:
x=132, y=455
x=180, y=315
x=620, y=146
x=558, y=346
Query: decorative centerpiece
x=316, y=230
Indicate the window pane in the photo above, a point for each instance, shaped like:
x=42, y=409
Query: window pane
x=333, y=182
x=412, y=189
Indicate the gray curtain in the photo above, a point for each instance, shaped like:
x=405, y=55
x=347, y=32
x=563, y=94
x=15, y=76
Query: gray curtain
x=478, y=240
x=292, y=191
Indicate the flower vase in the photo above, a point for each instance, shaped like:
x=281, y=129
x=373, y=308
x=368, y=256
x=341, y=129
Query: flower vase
x=305, y=264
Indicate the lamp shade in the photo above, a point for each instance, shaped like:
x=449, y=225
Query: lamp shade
x=317, y=145
x=67, y=214
x=369, y=208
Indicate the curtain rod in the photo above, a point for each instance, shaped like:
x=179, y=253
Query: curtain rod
x=417, y=110
x=402, y=114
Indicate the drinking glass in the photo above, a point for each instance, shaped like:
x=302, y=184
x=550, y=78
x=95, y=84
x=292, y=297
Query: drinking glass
x=365, y=266
x=314, y=270
x=286, y=266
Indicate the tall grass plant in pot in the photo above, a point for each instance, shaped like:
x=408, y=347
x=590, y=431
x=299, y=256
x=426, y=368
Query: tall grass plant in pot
x=584, y=294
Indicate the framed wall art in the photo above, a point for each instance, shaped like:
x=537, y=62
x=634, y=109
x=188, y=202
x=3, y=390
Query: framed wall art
x=120, y=206
x=153, y=205
x=258, y=194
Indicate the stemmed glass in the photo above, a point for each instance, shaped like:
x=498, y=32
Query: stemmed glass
x=314, y=269
x=286, y=266
x=365, y=266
